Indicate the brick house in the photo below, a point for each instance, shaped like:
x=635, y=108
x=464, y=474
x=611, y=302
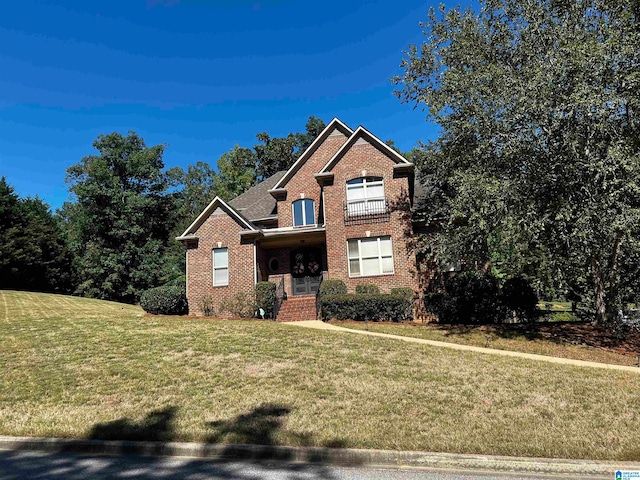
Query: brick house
x=342, y=211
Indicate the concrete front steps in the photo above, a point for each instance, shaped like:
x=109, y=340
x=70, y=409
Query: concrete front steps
x=297, y=308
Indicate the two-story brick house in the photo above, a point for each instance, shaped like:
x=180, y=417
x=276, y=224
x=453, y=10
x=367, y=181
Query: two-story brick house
x=342, y=211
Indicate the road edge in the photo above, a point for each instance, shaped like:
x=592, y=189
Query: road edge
x=328, y=456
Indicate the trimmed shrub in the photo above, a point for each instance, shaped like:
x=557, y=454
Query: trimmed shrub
x=266, y=296
x=520, y=298
x=372, y=307
x=368, y=288
x=241, y=305
x=470, y=297
x=333, y=287
x=169, y=300
x=404, y=292
x=206, y=306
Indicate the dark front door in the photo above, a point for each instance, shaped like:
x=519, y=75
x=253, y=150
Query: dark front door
x=305, y=285
x=306, y=268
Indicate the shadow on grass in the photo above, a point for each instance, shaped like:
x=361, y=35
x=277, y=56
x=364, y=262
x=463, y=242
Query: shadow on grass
x=251, y=438
x=257, y=427
x=157, y=426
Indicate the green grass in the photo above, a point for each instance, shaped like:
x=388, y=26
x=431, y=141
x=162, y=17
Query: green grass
x=72, y=367
x=556, y=306
x=503, y=337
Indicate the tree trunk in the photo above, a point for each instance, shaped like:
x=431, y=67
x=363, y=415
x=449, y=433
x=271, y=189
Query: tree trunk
x=606, y=301
x=599, y=290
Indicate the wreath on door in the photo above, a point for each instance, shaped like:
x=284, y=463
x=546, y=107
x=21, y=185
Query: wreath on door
x=298, y=266
x=306, y=262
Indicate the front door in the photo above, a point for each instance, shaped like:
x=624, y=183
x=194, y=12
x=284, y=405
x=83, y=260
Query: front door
x=306, y=268
x=306, y=285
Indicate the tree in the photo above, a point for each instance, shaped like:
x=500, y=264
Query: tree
x=33, y=254
x=236, y=172
x=275, y=154
x=537, y=166
x=120, y=223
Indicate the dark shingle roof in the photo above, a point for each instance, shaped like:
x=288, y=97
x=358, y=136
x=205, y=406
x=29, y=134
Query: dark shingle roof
x=257, y=202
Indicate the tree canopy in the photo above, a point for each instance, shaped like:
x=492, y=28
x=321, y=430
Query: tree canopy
x=537, y=168
x=120, y=222
x=33, y=253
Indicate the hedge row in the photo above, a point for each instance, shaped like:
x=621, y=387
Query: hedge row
x=476, y=298
x=373, y=307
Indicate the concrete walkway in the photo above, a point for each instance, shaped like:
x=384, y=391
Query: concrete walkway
x=317, y=325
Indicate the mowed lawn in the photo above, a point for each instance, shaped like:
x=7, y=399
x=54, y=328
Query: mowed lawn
x=556, y=340
x=73, y=367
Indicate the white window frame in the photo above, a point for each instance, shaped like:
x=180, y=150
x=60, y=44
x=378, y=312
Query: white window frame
x=380, y=256
x=214, y=268
x=304, y=212
x=367, y=182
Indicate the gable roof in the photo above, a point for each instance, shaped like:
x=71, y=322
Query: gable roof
x=362, y=132
x=189, y=233
x=333, y=125
x=256, y=203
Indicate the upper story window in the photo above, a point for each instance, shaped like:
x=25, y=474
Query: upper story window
x=303, y=212
x=220, y=267
x=365, y=195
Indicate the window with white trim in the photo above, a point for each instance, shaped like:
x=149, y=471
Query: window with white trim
x=220, y=267
x=365, y=195
x=370, y=256
x=303, y=212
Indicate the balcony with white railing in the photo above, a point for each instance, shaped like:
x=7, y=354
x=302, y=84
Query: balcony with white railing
x=361, y=212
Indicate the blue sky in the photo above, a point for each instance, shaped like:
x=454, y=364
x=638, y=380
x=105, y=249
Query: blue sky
x=197, y=75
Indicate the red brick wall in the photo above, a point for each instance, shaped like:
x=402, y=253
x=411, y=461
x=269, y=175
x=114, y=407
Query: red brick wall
x=304, y=182
x=358, y=158
x=219, y=227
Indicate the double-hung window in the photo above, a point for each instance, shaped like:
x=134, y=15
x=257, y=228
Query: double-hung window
x=303, y=212
x=220, y=267
x=365, y=195
x=370, y=256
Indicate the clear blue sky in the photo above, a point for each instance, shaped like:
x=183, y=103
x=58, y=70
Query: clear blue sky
x=197, y=75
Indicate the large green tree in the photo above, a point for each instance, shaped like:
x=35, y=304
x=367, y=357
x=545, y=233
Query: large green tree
x=33, y=253
x=279, y=153
x=120, y=222
x=537, y=165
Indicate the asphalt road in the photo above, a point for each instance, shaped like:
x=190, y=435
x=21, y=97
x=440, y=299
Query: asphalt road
x=28, y=465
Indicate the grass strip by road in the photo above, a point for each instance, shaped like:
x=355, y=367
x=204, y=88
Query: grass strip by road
x=76, y=368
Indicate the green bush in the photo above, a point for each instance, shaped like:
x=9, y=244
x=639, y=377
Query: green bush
x=368, y=288
x=266, y=296
x=169, y=300
x=241, y=305
x=180, y=281
x=206, y=306
x=404, y=292
x=333, y=287
x=470, y=297
x=559, y=317
x=373, y=307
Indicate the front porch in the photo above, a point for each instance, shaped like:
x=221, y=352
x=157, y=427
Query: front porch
x=293, y=258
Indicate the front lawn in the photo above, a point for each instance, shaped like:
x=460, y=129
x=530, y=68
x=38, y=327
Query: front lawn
x=82, y=368
x=576, y=340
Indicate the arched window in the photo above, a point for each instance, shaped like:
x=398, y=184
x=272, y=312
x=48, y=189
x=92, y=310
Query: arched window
x=365, y=195
x=303, y=212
